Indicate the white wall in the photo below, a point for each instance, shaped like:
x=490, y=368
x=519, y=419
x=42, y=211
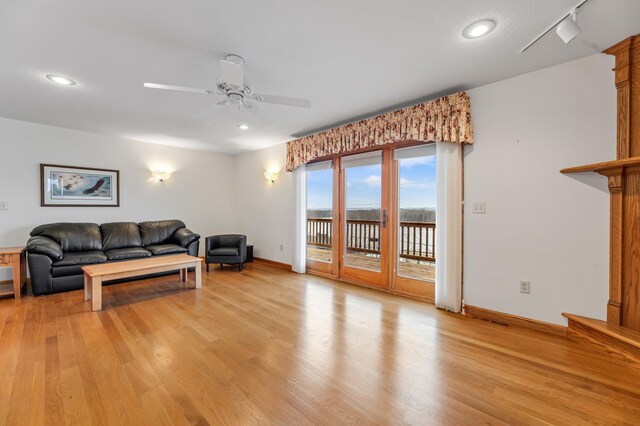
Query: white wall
x=197, y=193
x=540, y=225
x=264, y=210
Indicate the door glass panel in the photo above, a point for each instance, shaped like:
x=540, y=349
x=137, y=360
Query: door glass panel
x=363, y=201
x=319, y=211
x=417, y=212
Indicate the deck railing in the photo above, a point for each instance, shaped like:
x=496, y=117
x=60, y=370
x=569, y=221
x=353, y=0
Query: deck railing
x=416, y=239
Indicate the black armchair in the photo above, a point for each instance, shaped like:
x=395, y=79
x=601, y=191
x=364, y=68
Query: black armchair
x=230, y=249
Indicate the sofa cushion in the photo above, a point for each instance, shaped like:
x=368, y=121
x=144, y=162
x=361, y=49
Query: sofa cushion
x=81, y=258
x=72, y=237
x=224, y=251
x=160, y=249
x=118, y=235
x=66, y=271
x=158, y=232
x=127, y=253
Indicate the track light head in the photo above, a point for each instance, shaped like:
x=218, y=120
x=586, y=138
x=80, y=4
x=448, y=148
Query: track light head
x=568, y=29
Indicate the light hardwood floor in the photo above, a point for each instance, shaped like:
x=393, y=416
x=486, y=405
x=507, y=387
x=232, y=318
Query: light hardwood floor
x=269, y=346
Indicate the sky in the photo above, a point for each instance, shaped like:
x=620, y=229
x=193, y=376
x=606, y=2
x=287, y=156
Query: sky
x=417, y=185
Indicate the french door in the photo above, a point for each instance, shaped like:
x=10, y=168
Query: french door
x=364, y=219
x=371, y=219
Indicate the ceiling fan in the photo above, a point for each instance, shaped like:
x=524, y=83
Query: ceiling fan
x=236, y=90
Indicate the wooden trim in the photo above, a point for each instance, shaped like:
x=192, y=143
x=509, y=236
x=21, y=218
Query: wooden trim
x=616, y=234
x=619, y=47
x=335, y=237
x=502, y=318
x=320, y=266
x=273, y=263
x=357, y=275
x=395, y=145
x=321, y=274
x=619, y=342
x=403, y=286
x=330, y=269
x=422, y=290
x=603, y=166
x=395, y=292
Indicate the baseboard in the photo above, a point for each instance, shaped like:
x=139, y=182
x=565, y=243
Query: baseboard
x=273, y=263
x=503, y=319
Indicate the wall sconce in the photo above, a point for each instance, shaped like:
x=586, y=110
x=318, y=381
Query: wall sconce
x=271, y=176
x=160, y=176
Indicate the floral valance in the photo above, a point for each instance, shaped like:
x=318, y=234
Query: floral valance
x=446, y=119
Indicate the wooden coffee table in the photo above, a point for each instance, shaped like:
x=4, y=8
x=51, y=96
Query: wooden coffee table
x=94, y=275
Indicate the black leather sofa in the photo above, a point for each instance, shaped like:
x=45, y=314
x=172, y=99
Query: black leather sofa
x=58, y=251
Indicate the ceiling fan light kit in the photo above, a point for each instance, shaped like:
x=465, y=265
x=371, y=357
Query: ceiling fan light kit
x=232, y=85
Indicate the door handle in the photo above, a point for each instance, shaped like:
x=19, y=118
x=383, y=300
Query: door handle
x=384, y=218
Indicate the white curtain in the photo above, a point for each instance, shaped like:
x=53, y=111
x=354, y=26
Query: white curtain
x=300, y=220
x=449, y=226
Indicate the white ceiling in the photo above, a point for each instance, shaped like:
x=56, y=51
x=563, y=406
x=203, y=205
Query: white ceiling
x=351, y=58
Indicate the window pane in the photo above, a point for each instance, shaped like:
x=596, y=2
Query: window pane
x=363, y=199
x=319, y=212
x=417, y=205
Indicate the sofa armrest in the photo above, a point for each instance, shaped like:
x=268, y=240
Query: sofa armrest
x=46, y=246
x=184, y=237
x=40, y=272
x=242, y=246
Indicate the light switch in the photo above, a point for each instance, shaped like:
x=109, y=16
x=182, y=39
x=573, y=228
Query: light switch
x=4, y=205
x=479, y=208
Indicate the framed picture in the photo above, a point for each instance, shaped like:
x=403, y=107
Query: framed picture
x=69, y=186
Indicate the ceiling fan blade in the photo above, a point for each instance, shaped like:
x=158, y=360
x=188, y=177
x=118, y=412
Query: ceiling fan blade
x=232, y=73
x=179, y=88
x=282, y=100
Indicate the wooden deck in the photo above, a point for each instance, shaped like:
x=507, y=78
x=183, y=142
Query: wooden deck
x=420, y=270
x=266, y=346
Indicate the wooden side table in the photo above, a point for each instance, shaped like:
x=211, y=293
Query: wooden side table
x=14, y=257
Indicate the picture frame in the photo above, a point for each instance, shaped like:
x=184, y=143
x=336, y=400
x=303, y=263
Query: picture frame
x=71, y=186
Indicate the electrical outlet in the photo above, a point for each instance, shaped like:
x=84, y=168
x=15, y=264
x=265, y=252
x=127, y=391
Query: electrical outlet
x=479, y=208
x=4, y=205
x=525, y=287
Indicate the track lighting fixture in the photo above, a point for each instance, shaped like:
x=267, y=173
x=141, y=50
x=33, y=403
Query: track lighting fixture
x=568, y=29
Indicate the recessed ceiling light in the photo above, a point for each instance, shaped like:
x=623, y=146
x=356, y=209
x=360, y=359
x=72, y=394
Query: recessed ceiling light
x=61, y=80
x=479, y=29
x=243, y=126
